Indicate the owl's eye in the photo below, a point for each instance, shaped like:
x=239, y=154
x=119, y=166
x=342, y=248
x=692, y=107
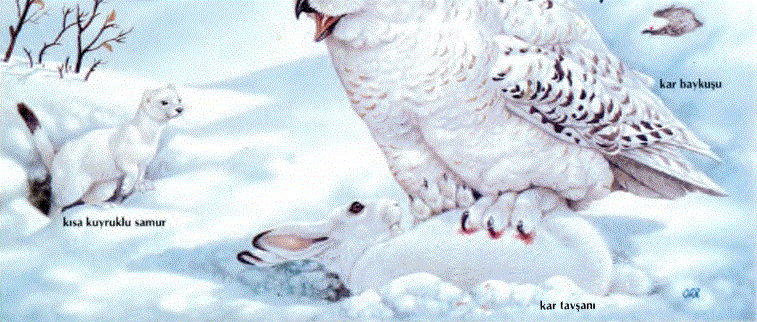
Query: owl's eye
x=356, y=207
x=164, y=103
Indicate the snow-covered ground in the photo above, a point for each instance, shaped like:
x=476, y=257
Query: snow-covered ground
x=238, y=163
x=279, y=144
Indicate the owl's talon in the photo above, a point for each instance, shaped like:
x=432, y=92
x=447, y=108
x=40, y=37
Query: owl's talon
x=529, y=208
x=473, y=217
x=431, y=196
x=464, y=228
x=447, y=188
x=493, y=233
x=519, y=227
x=499, y=213
x=527, y=238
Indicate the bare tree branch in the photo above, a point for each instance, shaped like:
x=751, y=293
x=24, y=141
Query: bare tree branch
x=96, y=63
x=24, y=17
x=120, y=38
x=84, y=20
x=29, y=55
x=56, y=42
x=36, y=16
x=92, y=16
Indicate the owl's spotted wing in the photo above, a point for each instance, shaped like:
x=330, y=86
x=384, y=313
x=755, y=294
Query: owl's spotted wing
x=587, y=98
x=554, y=70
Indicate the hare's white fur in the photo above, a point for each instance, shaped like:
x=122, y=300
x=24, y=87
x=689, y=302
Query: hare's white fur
x=368, y=249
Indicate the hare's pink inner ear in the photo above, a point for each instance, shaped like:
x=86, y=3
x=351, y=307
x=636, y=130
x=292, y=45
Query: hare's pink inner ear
x=291, y=243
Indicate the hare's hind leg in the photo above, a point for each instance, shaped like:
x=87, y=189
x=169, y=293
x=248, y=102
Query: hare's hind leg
x=592, y=266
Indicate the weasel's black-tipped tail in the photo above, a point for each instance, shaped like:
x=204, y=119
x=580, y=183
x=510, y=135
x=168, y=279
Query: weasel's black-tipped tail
x=31, y=120
x=41, y=140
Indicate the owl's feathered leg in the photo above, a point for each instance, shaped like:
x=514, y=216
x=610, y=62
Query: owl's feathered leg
x=431, y=186
x=436, y=195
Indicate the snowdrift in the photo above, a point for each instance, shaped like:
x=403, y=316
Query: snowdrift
x=241, y=160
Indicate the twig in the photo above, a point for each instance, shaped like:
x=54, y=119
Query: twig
x=83, y=21
x=56, y=41
x=24, y=17
x=38, y=14
x=96, y=63
x=29, y=55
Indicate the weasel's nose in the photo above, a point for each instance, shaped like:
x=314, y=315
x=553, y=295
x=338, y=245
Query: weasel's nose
x=179, y=110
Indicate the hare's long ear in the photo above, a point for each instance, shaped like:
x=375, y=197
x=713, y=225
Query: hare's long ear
x=295, y=241
x=291, y=243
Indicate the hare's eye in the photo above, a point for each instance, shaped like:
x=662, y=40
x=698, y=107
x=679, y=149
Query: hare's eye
x=356, y=207
x=164, y=103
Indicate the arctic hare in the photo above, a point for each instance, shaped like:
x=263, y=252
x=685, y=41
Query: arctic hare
x=362, y=242
x=105, y=164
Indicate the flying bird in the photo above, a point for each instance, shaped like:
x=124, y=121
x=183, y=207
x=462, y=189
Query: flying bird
x=499, y=106
x=681, y=21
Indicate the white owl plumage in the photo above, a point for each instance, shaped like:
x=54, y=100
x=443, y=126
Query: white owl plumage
x=494, y=104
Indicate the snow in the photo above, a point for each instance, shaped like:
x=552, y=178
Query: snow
x=259, y=148
x=218, y=182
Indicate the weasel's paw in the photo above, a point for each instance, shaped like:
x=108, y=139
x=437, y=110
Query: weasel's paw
x=529, y=208
x=145, y=186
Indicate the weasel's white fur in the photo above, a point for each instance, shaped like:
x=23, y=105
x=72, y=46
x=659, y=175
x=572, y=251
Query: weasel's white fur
x=105, y=164
x=369, y=249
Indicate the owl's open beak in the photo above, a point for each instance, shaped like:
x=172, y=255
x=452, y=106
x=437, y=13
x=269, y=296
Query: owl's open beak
x=324, y=24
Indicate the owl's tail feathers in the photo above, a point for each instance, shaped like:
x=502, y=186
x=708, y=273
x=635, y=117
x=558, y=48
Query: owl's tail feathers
x=659, y=172
x=688, y=141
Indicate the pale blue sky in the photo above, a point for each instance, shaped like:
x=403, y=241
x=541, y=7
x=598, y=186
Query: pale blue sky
x=201, y=42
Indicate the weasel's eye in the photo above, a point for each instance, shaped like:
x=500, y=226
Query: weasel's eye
x=356, y=207
x=164, y=102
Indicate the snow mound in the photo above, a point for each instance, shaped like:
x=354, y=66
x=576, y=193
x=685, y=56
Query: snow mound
x=238, y=162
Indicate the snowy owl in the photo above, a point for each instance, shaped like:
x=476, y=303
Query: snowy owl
x=497, y=106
